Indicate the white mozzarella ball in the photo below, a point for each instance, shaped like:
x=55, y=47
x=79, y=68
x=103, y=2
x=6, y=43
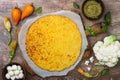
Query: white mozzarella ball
x=21, y=71
x=16, y=72
x=7, y=76
x=14, y=67
x=13, y=78
x=17, y=77
x=11, y=73
x=19, y=67
x=21, y=75
x=9, y=68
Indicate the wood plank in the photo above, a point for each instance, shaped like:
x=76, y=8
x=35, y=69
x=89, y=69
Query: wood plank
x=50, y=6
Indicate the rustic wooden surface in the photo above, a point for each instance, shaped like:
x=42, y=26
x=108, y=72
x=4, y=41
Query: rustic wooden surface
x=50, y=6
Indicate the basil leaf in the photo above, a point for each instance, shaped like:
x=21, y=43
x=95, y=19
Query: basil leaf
x=108, y=18
x=93, y=33
x=104, y=72
x=39, y=10
x=104, y=28
x=75, y=5
x=87, y=28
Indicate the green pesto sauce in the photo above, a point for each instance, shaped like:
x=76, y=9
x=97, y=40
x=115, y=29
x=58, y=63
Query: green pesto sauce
x=92, y=9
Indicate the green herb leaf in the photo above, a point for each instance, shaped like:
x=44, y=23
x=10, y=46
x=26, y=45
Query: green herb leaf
x=93, y=33
x=99, y=64
x=13, y=46
x=104, y=72
x=87, y=28
x=108, y=18
x=75, y=5
x=10, y=35
x=104, y=28
x=39, y=10
x=12, y=54
x=110, y=39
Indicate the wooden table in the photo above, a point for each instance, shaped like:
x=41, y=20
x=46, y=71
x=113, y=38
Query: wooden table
x=50, y=6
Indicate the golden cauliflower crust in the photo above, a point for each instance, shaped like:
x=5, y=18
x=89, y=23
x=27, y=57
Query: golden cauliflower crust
x=53, y=42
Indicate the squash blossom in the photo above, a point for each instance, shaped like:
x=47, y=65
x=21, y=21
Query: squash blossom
x=86, y=74
x=13, y=46
x=8, y=27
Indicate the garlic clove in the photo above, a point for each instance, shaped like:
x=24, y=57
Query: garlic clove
x=88, y=68
x=91, y=59
x=86, y=62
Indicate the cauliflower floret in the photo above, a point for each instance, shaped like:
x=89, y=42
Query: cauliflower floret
x=98, y=46
x=110, y=64
x=108, y=40
x=118, y=53
x=107, y=54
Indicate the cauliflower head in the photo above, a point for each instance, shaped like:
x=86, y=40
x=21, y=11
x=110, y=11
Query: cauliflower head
x=107, y=54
